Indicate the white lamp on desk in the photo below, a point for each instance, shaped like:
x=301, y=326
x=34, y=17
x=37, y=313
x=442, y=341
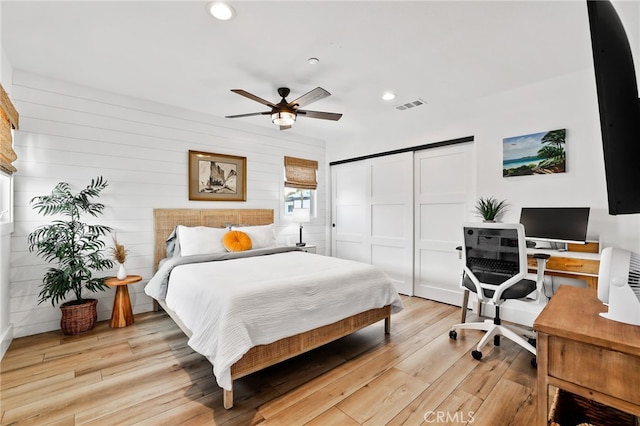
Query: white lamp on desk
x=301, y=216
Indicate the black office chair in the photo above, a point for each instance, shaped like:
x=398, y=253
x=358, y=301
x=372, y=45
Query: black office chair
x=495, y=268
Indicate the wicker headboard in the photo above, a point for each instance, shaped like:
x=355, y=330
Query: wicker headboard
x=164, y=220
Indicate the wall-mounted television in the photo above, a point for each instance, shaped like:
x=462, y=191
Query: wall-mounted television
x=619, y=107
x=556, y=224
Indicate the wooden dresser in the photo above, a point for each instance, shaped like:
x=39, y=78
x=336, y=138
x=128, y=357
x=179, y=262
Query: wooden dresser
x=588, y=355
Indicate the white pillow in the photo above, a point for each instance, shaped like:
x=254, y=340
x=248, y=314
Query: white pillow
x=261, y=235
x=200, y=240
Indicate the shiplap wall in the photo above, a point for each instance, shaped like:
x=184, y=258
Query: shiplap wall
x=71, y=133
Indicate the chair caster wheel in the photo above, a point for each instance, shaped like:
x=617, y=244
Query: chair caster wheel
x=534, y=362
x=453, y=335
x=476, y=355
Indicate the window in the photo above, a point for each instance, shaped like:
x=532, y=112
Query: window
x=300, y=185
x=8, y=121
x=5, y=197
x=299, y=198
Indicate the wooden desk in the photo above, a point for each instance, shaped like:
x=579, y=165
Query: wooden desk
x=122, y=315
x=581, y=261
x=583, y=353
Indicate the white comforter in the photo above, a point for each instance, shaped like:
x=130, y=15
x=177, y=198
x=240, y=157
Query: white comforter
x=233, y=305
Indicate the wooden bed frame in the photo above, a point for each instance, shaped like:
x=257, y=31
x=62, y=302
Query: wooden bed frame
x=261, y=356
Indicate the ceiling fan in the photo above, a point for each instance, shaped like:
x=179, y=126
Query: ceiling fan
x=284, y=113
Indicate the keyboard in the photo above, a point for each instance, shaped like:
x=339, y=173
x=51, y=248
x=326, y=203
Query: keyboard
x=496, y=266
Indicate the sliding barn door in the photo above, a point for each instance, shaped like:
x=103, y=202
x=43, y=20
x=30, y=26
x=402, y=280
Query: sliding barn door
x=372, y=203
x=443, y=202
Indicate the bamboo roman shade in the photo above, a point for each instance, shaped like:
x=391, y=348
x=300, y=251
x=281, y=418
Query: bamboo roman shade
x=300, y=173
x=8, y=120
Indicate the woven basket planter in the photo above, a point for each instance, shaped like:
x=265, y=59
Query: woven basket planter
x=78, y=317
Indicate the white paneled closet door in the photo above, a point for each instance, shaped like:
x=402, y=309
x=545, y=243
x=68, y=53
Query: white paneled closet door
x=443, y=202
x=373, y=215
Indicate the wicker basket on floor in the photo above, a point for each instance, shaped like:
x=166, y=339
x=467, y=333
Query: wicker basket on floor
x=573, y=410
x=78, y=318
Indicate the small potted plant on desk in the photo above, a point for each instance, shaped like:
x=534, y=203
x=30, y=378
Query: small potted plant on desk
x=75, y=248
x=490, y=209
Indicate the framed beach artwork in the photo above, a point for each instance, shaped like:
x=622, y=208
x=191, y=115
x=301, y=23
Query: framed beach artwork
x=217, y=177
x=534, y=154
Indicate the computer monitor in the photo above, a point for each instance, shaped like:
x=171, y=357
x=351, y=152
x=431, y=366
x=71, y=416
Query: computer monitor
x=556, y=224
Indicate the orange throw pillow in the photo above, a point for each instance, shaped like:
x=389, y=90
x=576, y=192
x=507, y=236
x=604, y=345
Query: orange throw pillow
x=236, y=241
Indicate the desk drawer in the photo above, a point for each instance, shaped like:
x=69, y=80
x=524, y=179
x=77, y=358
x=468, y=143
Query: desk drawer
x=568, y=264
x=592, y=367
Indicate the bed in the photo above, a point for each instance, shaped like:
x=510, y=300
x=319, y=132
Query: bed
x=187, y=307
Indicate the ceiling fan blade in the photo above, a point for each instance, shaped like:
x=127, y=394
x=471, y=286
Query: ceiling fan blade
x=254, y=97
x=312, y=96
x=319, y=114
x=249, y=114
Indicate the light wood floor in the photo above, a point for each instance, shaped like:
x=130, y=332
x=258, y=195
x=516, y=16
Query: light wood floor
x=146, y=374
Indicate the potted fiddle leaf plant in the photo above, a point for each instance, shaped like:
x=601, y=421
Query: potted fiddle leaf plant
x=490, y=209
x=75, y=251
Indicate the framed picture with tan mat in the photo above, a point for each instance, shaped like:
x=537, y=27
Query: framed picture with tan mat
x=217, y=177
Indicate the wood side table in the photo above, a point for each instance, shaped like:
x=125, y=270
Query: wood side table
x=122, y=315
x=588, y=355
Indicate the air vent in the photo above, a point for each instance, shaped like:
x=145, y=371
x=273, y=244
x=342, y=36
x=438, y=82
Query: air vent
x=410, y=105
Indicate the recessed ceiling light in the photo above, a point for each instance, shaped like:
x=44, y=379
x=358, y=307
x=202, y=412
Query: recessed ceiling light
x=387, y=96
x=313, y=61
x=221, y=11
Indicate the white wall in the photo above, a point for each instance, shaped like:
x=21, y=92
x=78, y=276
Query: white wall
x=71, y=133
x=570, y=103
x=629, y=12
x=567, y=102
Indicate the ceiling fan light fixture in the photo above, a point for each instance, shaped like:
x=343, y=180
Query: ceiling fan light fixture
x=283, y=118
x=221, y=11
